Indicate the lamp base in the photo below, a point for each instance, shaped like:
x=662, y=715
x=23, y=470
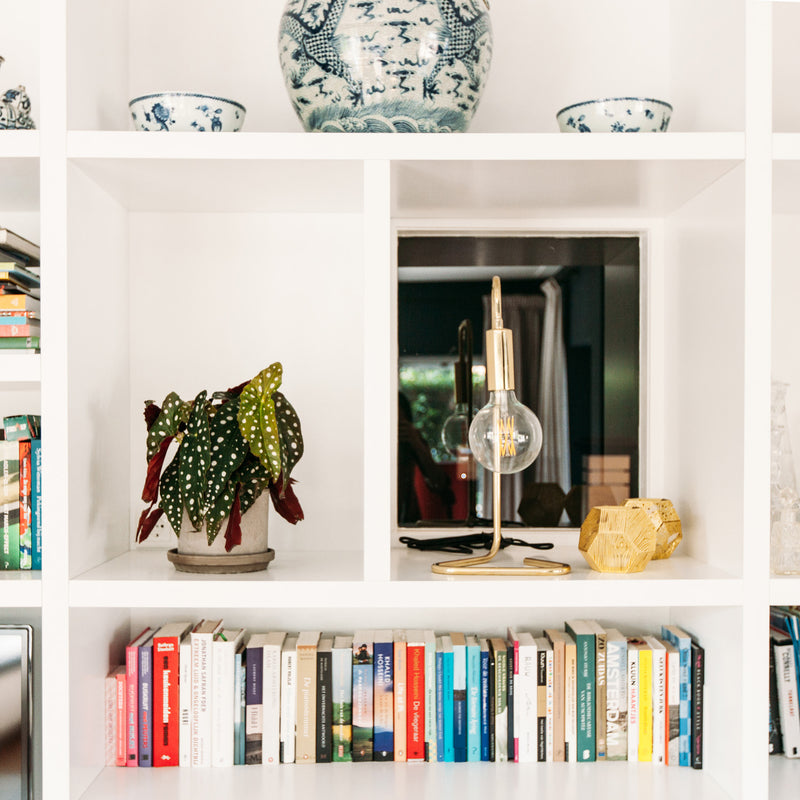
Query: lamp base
x=533, y=567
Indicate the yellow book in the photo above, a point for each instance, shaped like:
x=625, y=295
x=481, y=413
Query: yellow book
x=645, y=704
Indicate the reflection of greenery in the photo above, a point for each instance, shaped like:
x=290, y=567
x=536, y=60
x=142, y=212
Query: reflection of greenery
x=431, y=392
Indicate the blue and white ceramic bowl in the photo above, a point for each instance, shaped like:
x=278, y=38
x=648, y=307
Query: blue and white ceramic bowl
x=616, y=115
x=186, y=111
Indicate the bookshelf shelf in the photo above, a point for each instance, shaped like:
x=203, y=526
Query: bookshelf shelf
x=20, y=589
x=20, y=370
x=783, y=776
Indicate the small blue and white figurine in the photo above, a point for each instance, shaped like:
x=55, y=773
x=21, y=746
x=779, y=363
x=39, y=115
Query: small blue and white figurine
x=385, y=65
x=15, y=109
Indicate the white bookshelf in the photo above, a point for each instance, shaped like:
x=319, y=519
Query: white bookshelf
x=145, y=237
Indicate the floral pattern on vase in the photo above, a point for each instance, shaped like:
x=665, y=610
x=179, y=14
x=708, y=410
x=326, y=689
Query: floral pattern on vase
x=385, y=65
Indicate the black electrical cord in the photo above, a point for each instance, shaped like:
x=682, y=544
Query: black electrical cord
x=465, y=544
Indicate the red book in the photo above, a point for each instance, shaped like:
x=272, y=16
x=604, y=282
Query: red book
x=122, y=692
x=166, y=692
x=415, y=690
x=131, y=727
x=20, y=330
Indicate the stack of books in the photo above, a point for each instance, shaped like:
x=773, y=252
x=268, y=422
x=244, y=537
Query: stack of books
x=205, y=695
x=784, y=681
x=21, y=492
x=20, y=322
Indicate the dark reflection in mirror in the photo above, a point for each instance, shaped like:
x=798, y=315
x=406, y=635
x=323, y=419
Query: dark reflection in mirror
x=573, y=305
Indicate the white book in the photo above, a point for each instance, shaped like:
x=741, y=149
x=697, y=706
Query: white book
x=225, y=694
x=430, y=694
x=306, y=735
x=272, y=645
x=111, y=718
x=786, y=676
x=659, y=699
x=201, y=638
x=673, y=721
x=543, y=645
x=185, y=703
x=570, y=699
x=526, y=695
x=633, y=700
x=616, y=696
x=288, y=699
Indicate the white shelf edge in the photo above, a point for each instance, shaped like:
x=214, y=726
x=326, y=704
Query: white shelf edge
x=19, y=144
x=785, y=146
x=21, y=589
x=784, y=591
x=20, y=368
x=424, y=147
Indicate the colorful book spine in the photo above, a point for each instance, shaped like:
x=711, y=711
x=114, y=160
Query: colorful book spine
x=121, y=758
x=36, y=504
x=363, y=710
x=254, y=700
x=557, y=640
x=166, y=700
x=132, y=697
x=288, y=719
x=473, y=699
x=659, y=698
x=698, y=691
x=415, y=682
x=485, y=700
x=240, y=673
x=775, y=736
x=272, y=646
x=9, y=504
x=550, y=714
x=584, y=636
x=440, y=754
x=29, y=329
x=500, y=650
x=459, y=696
x=383, y=696
x=673, y=719
x=683, y=642
x=25, y=541
x=616, y=696
x=19, y=343
x=448, y=712
x=146, y=704
x=510, y=700
x=431, y=735
x=645, y=702
x=342, y=678
x=400, y=679
x=19, y=302
x=114, y=745
x=185, y=703
x=600, y=688
x=633, y=699
x=324, y=700
x=540, y=708
x=306, y=739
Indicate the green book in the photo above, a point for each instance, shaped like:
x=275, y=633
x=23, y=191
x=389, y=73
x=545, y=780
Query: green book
x=583, y=633
x=9, y=504
x=19, y=342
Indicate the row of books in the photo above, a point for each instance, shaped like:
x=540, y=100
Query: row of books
x=20, y=321
x=21, y=492
x=784, y=681
x=205, y=695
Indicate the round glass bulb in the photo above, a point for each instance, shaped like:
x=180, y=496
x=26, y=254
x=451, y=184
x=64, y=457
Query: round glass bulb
x=505, y=435
x=455, y=431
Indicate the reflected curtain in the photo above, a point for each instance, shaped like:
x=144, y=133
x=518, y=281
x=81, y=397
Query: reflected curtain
x=540, y=370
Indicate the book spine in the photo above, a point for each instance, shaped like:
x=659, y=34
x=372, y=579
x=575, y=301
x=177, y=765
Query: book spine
x=254, y=706
x=633, y=704
x=586, y=702
x=19, y=343
x=36, y=504
x=698, y=682
x=25, y=549
x=645, y=704
x=324, y=707
x=342, y=704
x=306, y=744
x=659, y=705
x=383, y=701
x=146, y=705
x=121, y=758
x=440, y=754
x=559, y=699
x=240, y=678
x=400, y=701
x=510, y=702
x=431, y=715
x=570, y=703
x=201, y=699
x=29, y=329
x=550, y=713
x=363, y=711
x=616, y=701
x=492, y=705
x=448, y=712
x=473, y=703
x=459, y=703
x=271, y=704
x=501, y=705
x=415, y=728
x=775, y=737
x=485, y=702
x=9, y=504
x=132, y=706
x=539, y=708
x=165, y=702
x=110, y=719
x=600, y=694
x=673, y=719
x=185, y=702
x=288, y=722
x=683, y=643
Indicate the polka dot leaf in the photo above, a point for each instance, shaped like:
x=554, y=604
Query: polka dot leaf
x=195, y=458
x=257, y=421
x=228, y=450
x=166, y=423
x=254, y=479
x=290, y=434
x=170, y=494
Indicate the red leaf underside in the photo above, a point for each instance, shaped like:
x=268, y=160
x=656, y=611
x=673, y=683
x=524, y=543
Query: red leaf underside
x=150, y=491
x=285, y=500
x=146, y=525
x=233, y=533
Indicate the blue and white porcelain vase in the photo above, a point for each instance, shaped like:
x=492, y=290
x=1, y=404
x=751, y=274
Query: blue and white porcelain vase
x=385, y=65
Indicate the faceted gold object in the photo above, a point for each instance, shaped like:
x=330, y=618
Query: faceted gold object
x=617, y=539
x=666, y=520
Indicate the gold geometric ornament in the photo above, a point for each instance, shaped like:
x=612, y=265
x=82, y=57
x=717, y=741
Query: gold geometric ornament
x=617, y=539
x=667, y=523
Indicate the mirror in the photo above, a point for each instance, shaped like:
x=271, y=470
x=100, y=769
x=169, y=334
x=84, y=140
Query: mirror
x=572, y=303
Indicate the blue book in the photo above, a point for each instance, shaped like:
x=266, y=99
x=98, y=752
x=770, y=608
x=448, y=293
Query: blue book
x=239, y=672
x=16, y=320
x=439, y=700
x=459, y=696
x=146, y=703
x=447, y=694
x=485, y=695
x=683, y=642
x=36, y=503
x=383, y=694
x=473, y=699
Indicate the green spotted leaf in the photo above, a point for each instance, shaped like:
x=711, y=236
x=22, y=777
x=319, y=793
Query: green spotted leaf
x=257, y=421
x=218, y=511
x=195, y=458
x=170, y=494
x=253, y=478
x=290, y=434
x=166, y=423
x=228, y=450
